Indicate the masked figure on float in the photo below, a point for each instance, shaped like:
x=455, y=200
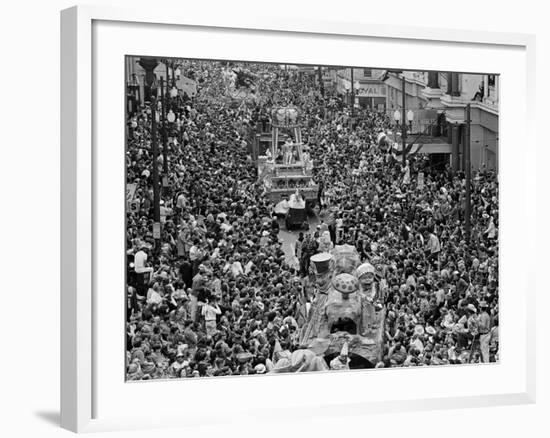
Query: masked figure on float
x=346, y=308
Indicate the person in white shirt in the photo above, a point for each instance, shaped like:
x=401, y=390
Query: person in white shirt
x=181, y=202
x=165, y=211
x=440, y=294
x=248, y=267
x=406, y=173
x=140, y=262
x=434, y=247
x=195, y=255
x=226, y=226
x=237, y=268
x=491, y=231
x=153, y=295
x=210, y=312
x=433, y=243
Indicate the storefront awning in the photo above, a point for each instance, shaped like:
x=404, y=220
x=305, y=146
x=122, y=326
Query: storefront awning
x=426, y=148
x=431, y=148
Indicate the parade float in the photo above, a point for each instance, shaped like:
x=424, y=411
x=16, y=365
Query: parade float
x=286, y=169
x=345, y=324
x=347, y=311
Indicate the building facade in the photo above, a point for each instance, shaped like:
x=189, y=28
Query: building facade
x=449, y=94
x=415, y=83
x=365, y=86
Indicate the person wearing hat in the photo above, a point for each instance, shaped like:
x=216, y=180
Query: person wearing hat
x=179, y=364
x=365, y=273
x=469, y=332
x=484, y=328
x=341, y=362
x=321, y=266
x=309, y=248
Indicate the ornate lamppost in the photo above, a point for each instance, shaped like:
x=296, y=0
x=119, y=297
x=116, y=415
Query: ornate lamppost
x=149, y=65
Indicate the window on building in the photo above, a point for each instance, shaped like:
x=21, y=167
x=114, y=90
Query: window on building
x=367, y=72
x=491, y=80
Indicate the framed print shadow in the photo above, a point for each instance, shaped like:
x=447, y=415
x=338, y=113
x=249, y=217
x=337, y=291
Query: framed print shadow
x=293, y=221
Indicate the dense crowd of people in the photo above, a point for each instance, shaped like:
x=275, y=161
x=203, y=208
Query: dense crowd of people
x=217, y=295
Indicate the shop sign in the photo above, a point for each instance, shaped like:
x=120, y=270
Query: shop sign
x=372, y=90
x=156, y=230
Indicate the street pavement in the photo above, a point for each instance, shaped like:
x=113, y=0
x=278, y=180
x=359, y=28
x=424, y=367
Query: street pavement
x=289, y=238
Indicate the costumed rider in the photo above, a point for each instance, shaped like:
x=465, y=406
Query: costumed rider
x=306, y=157
x=370, y=289
x=269, y=155
x=318, y=283
x=341, y=362
x=287, y=152
x=296, y=200
x=321, y=267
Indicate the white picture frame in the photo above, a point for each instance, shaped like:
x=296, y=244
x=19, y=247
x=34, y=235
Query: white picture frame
x=81, y=345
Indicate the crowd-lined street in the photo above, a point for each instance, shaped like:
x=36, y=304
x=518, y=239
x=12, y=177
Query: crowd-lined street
x=220, y=287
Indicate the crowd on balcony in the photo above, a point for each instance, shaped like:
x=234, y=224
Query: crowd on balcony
x=215, y=294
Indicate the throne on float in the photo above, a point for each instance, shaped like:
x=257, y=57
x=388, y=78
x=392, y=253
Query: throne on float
x=287, y=166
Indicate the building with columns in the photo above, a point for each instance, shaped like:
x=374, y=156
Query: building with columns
x=415, y=83
x=448, y=94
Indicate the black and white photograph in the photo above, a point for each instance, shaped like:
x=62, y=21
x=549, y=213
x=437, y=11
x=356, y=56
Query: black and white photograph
x=246, y=219
x=285, y=218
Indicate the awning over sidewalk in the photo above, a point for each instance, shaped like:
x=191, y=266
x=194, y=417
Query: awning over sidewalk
x=427, y=147
x=433, y=148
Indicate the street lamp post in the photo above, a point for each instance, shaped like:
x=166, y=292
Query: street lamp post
x=321, y=84
x=397, y=118
x=468, y=176
x=403, y=118
x=156, y=186
x=346, y=86
x=133, y=95
x=352, y=94
x=164, y=136
x=149, y=64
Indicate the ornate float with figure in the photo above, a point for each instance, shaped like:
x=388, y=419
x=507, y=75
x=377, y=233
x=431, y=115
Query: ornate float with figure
x=287, y=168
x=345, y=324
x=347, y=309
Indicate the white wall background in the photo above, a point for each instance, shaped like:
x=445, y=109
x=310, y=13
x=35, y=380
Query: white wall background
x=29, y=242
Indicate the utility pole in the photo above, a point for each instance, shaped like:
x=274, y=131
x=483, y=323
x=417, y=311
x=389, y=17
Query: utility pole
x=468, y=174
x=320, y=77
x=163, y=99
x=403, y=119
x=156, y=188
x=167, y=74
x=352, y=94
x=149, y=64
